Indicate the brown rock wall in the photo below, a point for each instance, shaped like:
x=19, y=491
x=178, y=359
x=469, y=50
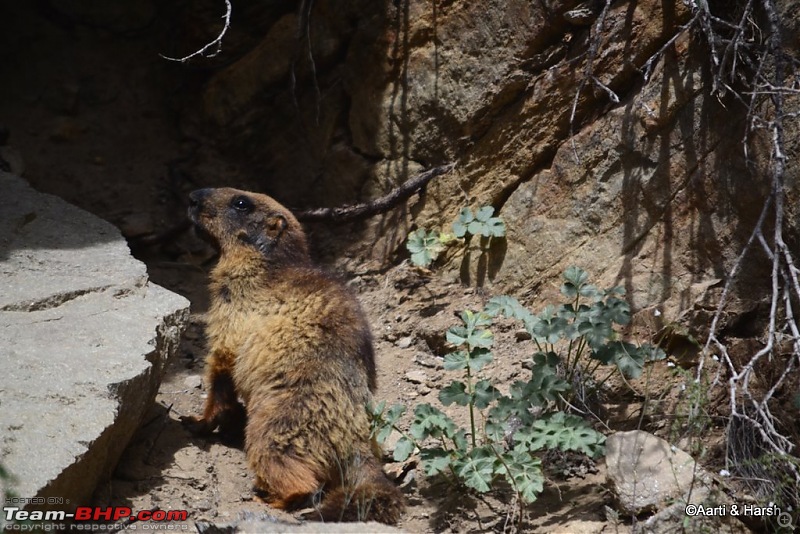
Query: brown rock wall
x=651, y=192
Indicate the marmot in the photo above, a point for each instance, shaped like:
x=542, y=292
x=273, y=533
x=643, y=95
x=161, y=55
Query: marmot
x=293, y=343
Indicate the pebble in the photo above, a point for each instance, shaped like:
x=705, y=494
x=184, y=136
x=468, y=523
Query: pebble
x=193, y=382
x=522, y=335
x=416, y=376
x=404, y=342
x=428, y=360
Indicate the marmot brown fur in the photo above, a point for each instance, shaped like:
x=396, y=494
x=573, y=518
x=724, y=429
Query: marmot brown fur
x=293, y=343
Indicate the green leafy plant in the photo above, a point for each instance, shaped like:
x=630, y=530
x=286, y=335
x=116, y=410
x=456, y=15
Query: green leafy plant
x=508, y=432
x=579, y=336
x=481, y=223
x=426, y=245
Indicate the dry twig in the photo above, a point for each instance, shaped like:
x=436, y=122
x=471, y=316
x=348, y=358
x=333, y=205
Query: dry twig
x=215, y=43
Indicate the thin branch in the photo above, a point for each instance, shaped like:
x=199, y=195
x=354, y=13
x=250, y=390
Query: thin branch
x=379, y=205
x=215, y=43
x=648, y=65
x=588, y=73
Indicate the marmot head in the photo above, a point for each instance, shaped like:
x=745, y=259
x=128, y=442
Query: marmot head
x=243, y=223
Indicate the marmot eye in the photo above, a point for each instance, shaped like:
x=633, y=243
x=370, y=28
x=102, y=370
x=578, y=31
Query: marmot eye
x=243, y=204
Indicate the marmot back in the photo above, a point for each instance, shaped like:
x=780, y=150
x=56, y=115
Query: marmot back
x=293, y=342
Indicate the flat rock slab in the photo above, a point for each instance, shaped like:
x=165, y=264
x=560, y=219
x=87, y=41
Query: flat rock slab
x=84, y=341
x=644, y=472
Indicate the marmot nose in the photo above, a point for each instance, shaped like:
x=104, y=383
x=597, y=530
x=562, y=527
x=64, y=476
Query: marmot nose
x=197, y=197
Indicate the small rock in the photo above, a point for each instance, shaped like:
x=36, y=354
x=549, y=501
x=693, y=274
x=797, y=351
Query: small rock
x=193, y=382
x=522, y=335
x=424, y=390
x=203, y=505
x=389, y=335
x=409, y=481
x=416, y=376
x=404, y=342
x=397, y=471
x=356, y=282
x=428, y=360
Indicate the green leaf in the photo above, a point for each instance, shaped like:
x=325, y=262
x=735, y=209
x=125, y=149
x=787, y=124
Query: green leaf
x=474, y=320
x=618, y=310
x=496, y=227
x=460, y=360
x=575, y=276
x=562, y=431
x=545, y=363
x=524, y=472
x=507, y=306
x=476, y=227
x=478, y=359
x=485, y=393
x=543, y=389
x=480, y=339
x=465, y=217
x=456, y=361
x=508, y=408
x=456, y=393
x=597, y=332
x=376, y=410
x=424, y=246
x=484, y=213
x=628, y=357
x=551, y=328
x=477, y=470
x=430, y=422
x=652, y=353
x=495, y=431
x=403, y=449
x=434, y=460
x=460, y=441
x=481, y=223
x=590, y=291
x=471, y=333
x=457, y=335
x=395, y=413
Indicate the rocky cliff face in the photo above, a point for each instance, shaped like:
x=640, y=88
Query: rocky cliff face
x=546, y=111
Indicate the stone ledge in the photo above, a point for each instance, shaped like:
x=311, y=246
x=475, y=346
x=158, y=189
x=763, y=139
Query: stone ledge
x=84, y=342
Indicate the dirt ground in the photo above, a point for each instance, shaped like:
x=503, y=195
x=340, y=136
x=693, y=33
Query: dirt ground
x=167, y=468
x=91, y=114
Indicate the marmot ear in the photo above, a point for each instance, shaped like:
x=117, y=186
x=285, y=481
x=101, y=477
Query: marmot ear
x=267, y=238
x=274, y=225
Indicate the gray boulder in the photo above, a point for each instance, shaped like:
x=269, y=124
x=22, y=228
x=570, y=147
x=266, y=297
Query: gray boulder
x=84, y=341
x=645, y=472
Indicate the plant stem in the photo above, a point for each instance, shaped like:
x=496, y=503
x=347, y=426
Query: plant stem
x=471, y=401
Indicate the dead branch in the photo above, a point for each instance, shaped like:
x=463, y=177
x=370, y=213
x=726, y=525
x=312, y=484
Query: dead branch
x=767, y=84
x=215, y=43
x=383, y=204
x=588, y=73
